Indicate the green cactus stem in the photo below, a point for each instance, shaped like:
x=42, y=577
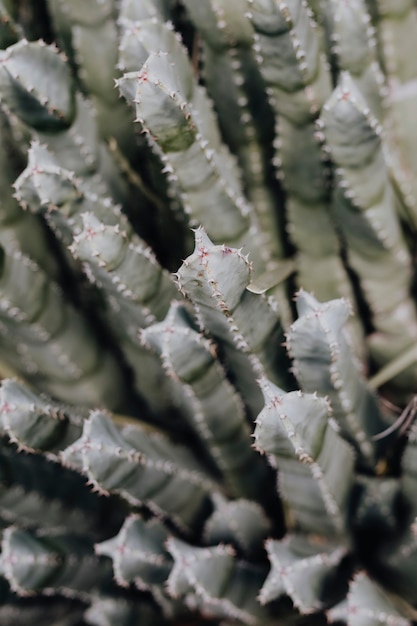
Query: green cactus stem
x=215, y=410
x=143, y=468
x=314, y=482
x=228, y=310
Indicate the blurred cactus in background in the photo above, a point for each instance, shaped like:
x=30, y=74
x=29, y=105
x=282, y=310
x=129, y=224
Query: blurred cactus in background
x=208, y=312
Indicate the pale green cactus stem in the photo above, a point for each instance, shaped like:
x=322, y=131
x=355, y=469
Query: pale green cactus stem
x=139, y=557
x=364, y=208
x=241, y=523
x=212, y=406
x=178, y=117
x=288, y=49
x=246, y=325
x=26, y=70
x=367, y=605
x=396, y=24
x=50, y=343
x=34, y=423
x=304, y=568
x=94, y=36
x=37, y=493
x=213, y=580
x=62, y=563
x=60, y=196
x=324, y=363
x=354, y=47
x=144, y=468
x=56, y=115
x=315, y=464
x=232, y=76
x=137, y=292
x=20, y=230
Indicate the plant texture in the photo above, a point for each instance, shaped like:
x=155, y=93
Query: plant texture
x=208, y=320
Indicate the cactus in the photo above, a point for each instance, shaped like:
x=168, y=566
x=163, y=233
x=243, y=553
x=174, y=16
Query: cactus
x=208, y=313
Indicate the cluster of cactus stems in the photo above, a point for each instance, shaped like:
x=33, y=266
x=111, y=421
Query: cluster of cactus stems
x=208, y=319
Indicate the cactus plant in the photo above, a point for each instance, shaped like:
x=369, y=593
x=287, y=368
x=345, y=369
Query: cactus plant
x=208, y=322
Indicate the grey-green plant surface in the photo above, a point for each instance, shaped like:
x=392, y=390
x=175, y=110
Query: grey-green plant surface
x=208, y=318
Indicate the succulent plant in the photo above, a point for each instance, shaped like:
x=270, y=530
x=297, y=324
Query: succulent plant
x=208, y=323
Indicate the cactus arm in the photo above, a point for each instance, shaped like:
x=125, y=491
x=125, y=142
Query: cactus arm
x=368, y=605
x=304, y=570
x=35, y=423
x=37, y=493
x=121, y=261
x=143, y=469
x=45, y=187
x=47, y=329
x=36, y=84
x=20, y=230
x=91, y=36
x=175, y=112
x=241, y=523
x=355, y=50
x=288, y=48
x=396, y=26
x=324, y=363
x=216, y=582
x=63, y=564
x=215, y=278
x=139, y=557
x=216, y=411
x=314, y=481
x=231, y=75
x=364, y=208
x=137, y=292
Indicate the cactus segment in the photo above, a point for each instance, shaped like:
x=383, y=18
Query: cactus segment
x=368, y=605
x=47, y=188
x=318, y=337
x=142, y=468
x=395, y=24
x=315, y=483
x=216, y=411
x=161, y=100
x=54, y=345
x=215, y=278
x=304, y=570
x=137, y=292
x=35, y=423
x=213, y=580
x=36, y=85
x=139, y=557
x=36, y=493
x=288, y=48
x=364, y=207
x=354, y=47
x=232, y=76
x=66, y=564
x=241, y=523
x=291, y=60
